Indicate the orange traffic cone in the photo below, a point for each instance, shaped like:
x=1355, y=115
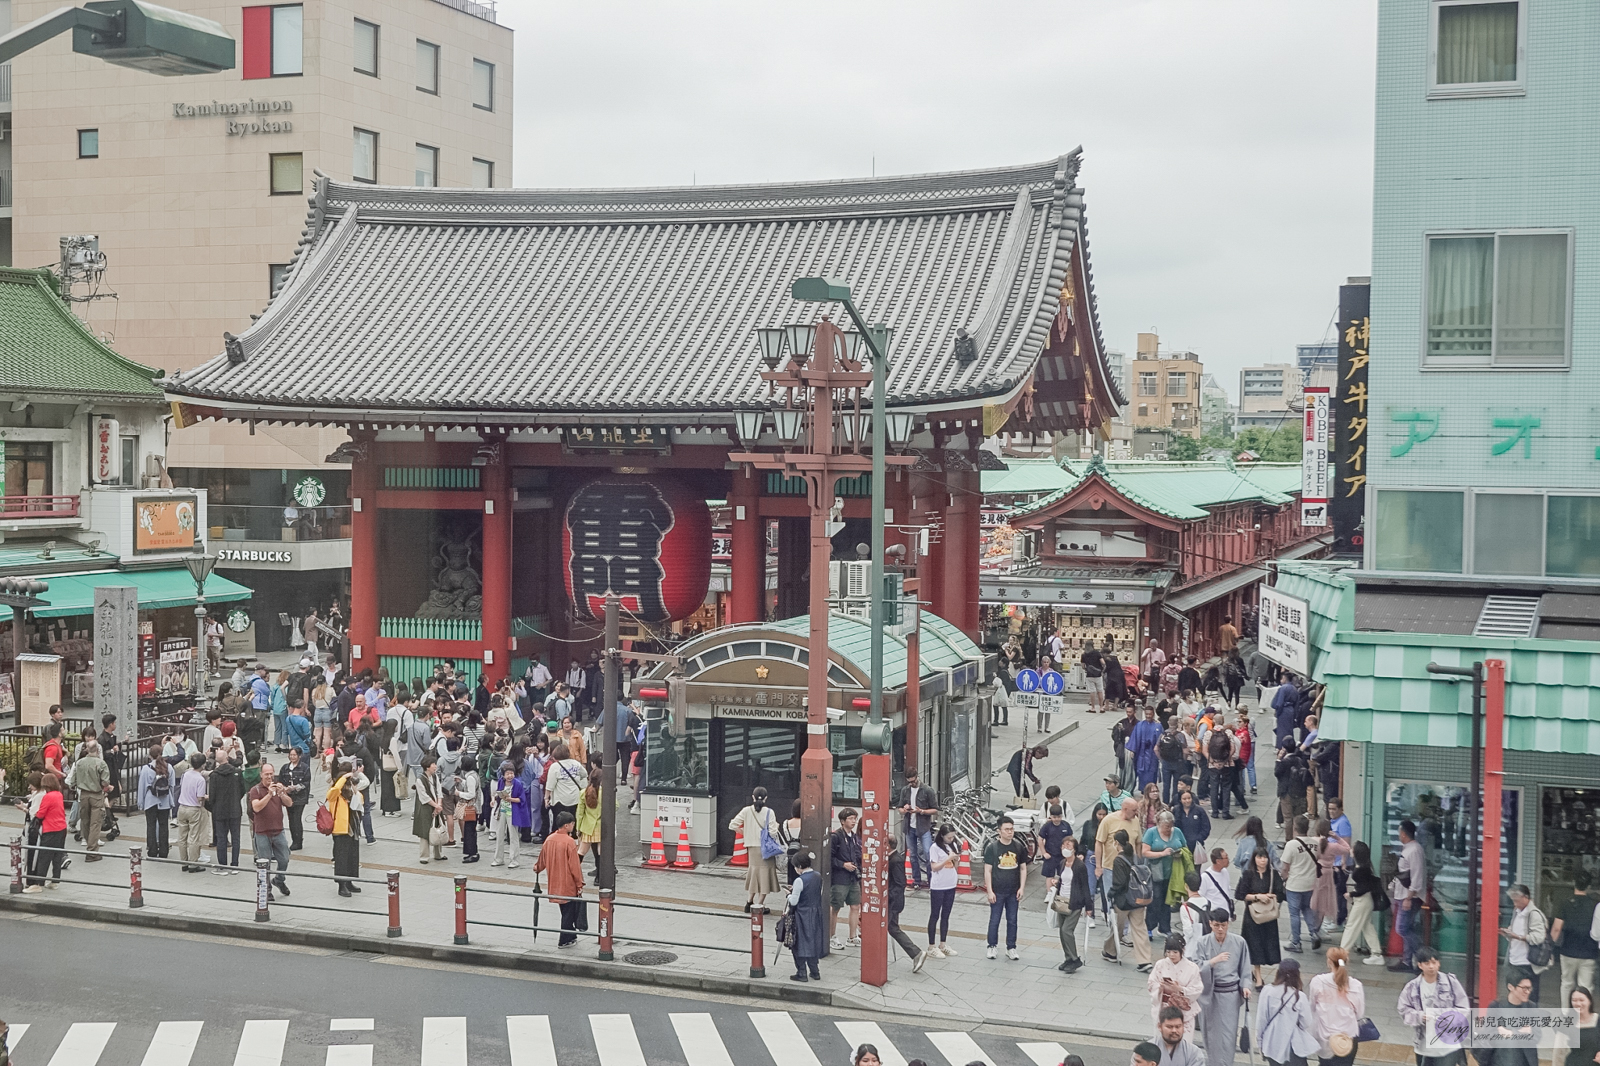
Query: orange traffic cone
x=658, y=851
x=685, y=859
x=964, y=869
x=741, y=857
x=911, y=876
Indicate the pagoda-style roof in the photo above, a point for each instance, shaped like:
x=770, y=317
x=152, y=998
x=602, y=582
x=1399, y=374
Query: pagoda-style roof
x=1176, y=490
x=47, y=352
x=516, y=306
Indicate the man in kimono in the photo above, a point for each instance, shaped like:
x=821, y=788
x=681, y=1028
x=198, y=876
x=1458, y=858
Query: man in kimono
x=1224, y=963
x=1142, y=747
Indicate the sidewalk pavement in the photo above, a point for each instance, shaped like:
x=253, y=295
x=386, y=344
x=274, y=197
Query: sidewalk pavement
x=1101, y=999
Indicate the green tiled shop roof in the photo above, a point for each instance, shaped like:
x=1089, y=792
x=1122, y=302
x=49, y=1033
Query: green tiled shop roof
x=45, y=349
x=1180, y=490
x=1026, y=477
x=1323, y=585
x=940, y=646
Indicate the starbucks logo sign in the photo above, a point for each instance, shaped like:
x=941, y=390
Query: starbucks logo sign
x=238, y=620
x=309, y=491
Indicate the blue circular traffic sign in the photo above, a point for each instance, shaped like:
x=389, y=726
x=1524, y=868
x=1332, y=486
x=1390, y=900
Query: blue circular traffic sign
x=1027, y=680
x=1053, y=683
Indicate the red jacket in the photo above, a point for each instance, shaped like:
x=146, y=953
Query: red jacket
x=52, y=814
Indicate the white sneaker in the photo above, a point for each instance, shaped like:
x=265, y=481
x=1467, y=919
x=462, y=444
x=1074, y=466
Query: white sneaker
x=988, y=953
x=497, y=862
x=510, y=865
x=1372, y=960
x=1011, y=953
x=948, y=951
x=933, y=952
x=916, y=963
x=836, y=944
x=854, y=942
x=1091, y=921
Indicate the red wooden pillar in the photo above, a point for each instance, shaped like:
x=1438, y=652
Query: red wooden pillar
x=497, y=566
x=365, y=478
x=972, y=548
x=932, y=500
x=959, y=591
x=747, y=594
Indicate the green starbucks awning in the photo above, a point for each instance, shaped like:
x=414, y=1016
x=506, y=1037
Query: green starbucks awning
x=73, y=594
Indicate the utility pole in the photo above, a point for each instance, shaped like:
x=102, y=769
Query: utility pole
x=608, y=773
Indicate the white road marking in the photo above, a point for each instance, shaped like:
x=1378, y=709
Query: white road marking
x=173, y=1044
x=83, y=1044
x=858, y=1033
x=261, y=1044
x=1044, y=1054
x=702, y=1044
x=349, y=1055
x=615, y=1041
x=350, y=1025
x=444, y=1042
x=960, y=1048
x=530, y=1040
x=782, y=1037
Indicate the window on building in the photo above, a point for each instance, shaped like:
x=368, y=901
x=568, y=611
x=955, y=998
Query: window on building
x=130, y=460
x=276, y=273
x=88, y=144
x=364, y=161
x=1177, y=383
x=30, y=468
x=427, y=166
x=1572, y=537
x=1477, y=47
x=1507, y=533
x=428, y=67
x=1419, y=531
x=288, y=173
x=274, y=41
x=366, y=48
x=482, y=174
x=483, y=85
x=1144, y=410
x=1499, y=299
x=1147, y=383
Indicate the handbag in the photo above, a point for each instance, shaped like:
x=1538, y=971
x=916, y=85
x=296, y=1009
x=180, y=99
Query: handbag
x=1264, y=911
x=786, y=933
x=1177, y=999
x=436, y=834
x=324, y=820
x=1244, y=1030
x=388, y=761
x=469, y=813
x=1367, y=1031
x=1341, y=1044
x=771, y=848
x=1061, y=903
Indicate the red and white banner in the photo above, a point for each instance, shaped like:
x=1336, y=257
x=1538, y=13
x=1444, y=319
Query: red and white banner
x=1314, y=460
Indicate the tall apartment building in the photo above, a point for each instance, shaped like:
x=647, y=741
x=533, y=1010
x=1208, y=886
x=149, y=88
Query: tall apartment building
x=197, y=190
x=1216, y=407
x=1166, y=388
x=1318, y=363
x=1268, y=395
x=1482, y=478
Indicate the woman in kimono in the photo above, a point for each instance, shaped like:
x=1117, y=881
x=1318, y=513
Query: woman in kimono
x=1175, y=982
x=1142, y=747
x=531, y=774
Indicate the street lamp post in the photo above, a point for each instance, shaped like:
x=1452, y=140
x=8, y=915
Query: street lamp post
x=824, y=359
x=200, y=567
x=131, y=33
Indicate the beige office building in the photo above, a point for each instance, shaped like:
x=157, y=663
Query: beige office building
x=1166, y=388
x=197, y=186
x=197, y=189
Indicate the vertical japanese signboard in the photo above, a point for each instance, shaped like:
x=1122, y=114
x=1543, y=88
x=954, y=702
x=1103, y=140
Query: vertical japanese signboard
x=1283, y=633
x=1347, y=506
x=1314, y=459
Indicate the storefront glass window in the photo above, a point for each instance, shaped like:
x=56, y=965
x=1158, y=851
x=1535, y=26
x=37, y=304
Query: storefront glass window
x=675, y=754
x=960, y=745
x=1440, y=813
x=1569, y=841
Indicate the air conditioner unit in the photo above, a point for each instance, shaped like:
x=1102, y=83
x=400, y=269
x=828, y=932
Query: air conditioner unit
x=849, y=580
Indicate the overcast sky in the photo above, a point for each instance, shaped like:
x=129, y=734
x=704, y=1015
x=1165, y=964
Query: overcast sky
x=1227, y=143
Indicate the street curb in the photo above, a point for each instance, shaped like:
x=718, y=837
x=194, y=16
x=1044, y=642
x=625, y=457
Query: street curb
x=764, y=988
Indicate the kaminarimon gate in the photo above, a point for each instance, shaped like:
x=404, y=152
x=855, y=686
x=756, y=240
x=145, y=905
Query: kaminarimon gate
x=542, y=390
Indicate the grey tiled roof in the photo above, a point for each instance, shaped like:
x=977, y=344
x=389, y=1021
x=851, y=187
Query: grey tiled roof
x=569, y=302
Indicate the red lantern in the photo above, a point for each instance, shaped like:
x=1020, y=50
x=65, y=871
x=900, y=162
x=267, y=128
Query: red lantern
x=646, y=539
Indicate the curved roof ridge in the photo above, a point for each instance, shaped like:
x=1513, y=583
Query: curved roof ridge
x=44, y=367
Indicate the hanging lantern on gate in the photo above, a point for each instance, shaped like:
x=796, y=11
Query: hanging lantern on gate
x=648, y=540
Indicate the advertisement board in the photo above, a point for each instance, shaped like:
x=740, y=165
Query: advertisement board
x=1284, y=631
x=163, y=524
x=1348, y=441
x=1314, y=459
x=177, y=657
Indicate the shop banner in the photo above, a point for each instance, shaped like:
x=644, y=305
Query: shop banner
x=1347, y=440
x=1283, y=630
x=177, y=656
x=1314, y=460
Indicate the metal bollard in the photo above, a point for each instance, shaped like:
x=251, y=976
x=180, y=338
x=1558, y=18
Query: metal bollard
x=16, y=865
x=135, y=878
x=461, y=910
x=394, y=902
x=606, y=912
x=263, y=889
x=758, y=947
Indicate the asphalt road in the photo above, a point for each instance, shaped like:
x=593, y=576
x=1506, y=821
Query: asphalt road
x=94, y=995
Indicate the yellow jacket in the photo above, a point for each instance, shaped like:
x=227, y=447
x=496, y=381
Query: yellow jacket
x=339, y=807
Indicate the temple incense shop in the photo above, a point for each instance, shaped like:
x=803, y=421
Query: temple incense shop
x=741, y=721
x=505, y=477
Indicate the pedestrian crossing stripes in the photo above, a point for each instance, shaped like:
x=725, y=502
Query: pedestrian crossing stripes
x=531, y=1040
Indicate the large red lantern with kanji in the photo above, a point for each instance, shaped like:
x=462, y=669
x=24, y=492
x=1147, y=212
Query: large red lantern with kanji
x=647, y=539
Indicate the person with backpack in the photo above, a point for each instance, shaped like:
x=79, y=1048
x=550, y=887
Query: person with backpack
x=1364, y=889
x=1094, y=673
x=1571, y=932
x=1233, y=679
x=1221, y=751
x=758, y=825
x=1173, y=750
x=1527, y=938
x=157, y=794
x=1294, y=775
x=1132, y=890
